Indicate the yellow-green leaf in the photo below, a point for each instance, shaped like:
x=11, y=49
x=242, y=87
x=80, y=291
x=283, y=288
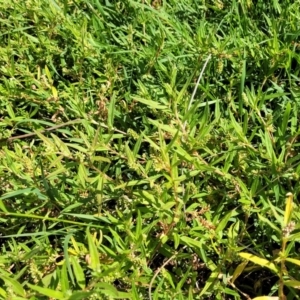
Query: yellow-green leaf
x=3, y=293
x=61, y=145
x=47, y=141
x=266, y=298
x=10, y=111
x=259, y=261
x=54, y=92
x=82, y=174
x=239, y=270
x=48, y=74
x=293, y=261
x=293, y=283
x=288, y=209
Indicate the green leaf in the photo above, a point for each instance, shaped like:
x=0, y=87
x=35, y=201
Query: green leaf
x=23, y=192
x=270, y=223
x=82, y=174
x=14, y=284
x=81, y=295
x=67, y=257
x=61, y=145
x=224, y=221
x=138, y=230
x=64, y=279
x=10, y=111
x=78, y=272
x=238, y=129
x=111, y=111
x=150, y=103
x=47, y=292
x=93, y=252
x=47, y=141
x=111, y=291
x=210, y=282
x=191, y=242
x=269, y=146
x=285, y=119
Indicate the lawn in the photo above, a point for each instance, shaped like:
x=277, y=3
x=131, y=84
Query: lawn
x=149, y=149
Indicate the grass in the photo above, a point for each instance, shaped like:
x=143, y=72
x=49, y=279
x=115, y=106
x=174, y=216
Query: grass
x=149, y=149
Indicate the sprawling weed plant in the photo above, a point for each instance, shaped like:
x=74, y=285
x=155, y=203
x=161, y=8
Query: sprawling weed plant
x=149, y=149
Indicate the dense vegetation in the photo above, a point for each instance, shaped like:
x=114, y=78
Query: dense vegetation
x=149, y=149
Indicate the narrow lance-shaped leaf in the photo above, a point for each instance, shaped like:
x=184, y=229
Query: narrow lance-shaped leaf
x=259, y=261
x=78, y=272
x=64, y=280
x=293, y=261
x=286, y=118
x=111, y=111
x=93, y=252
x=239, y=270
x=269, y=147
x=14, y=285
x=54, y=294
x=288, y=209
x=210, y=281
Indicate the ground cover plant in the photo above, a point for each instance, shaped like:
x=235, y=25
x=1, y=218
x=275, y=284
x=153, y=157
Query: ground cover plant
x=149, y=149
